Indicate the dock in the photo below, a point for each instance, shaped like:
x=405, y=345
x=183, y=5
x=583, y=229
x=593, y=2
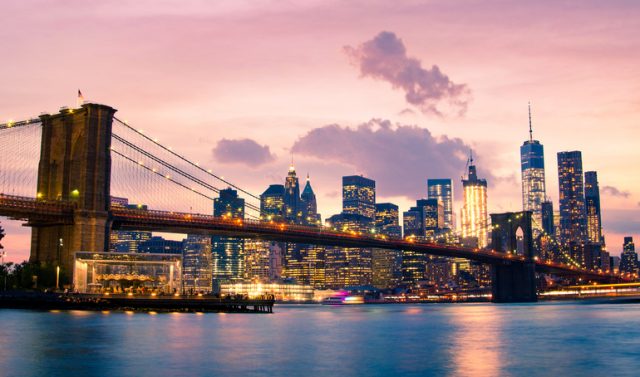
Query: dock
x=196, y=303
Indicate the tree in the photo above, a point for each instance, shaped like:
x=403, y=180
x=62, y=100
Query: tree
x=1, y=236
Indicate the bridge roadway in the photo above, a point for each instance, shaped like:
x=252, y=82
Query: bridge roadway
x=42, y=213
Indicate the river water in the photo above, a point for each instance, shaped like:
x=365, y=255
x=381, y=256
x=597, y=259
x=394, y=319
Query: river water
x=545, y=339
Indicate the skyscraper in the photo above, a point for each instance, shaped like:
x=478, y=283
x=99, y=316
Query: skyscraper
x=547, y=218
x=228, y=205
x=442, y=189
x=572, y=207
x=292, y=210
x=272, y=203
x=592, y=206
x=533, y=180
x=474, y=209
x=228, y=252
x=197, y=264
x=387, y=220
x=629, y=257
x=359, y=196
x=310, y=214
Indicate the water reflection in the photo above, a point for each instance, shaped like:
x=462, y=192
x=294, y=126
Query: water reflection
x=477, y=341
x=364, y=340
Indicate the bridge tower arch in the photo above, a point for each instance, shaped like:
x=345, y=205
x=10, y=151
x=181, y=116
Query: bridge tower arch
x=75, y=166
x=513, y=281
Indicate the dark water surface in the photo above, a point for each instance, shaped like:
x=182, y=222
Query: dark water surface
x=547, y=339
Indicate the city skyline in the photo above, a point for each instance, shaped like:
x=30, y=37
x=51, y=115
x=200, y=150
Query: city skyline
x=216, y=118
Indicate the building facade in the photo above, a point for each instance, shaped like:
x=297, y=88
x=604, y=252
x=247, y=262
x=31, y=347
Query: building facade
x=592, y=207
x=359, y=196
x=442, y=190
x=571, y=190
x=474, y=216
x=533, y=177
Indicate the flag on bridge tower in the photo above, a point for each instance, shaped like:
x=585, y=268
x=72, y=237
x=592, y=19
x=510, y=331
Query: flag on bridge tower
x=80, y=100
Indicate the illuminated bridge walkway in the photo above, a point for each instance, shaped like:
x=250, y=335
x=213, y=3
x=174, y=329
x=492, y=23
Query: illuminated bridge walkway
x=78, y=159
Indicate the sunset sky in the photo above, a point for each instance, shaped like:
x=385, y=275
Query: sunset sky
x=398, y=91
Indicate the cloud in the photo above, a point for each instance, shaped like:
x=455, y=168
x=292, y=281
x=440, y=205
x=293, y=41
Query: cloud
x=385, y=58
x=399, y=157
x=242, y=151
x=613, y=191
x=406, y=111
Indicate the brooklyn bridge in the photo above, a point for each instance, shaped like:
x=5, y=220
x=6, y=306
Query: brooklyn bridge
x=60, y=171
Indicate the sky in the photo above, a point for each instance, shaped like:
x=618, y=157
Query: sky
x=397, y=91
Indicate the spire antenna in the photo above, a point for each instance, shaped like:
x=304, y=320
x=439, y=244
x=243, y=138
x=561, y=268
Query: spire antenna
x=530, y=127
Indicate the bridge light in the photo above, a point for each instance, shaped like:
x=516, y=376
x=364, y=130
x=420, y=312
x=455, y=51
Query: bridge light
x=75, y=193
x=39, y=195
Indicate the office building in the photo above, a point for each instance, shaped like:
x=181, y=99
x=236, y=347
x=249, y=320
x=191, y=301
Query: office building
x=442, y=190
x=228, y=252
x=474, y=217
x=197, y=264
x=592, y=207
x=629, y=257
x=533, y=177
x=572, y=206
x=387, y=220
x=359, y=196
x=272, y=203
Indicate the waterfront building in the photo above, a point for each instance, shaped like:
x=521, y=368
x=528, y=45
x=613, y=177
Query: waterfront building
x=272, y=203
x=592, y=207
x=197, y=264
x=359, y=196
x=257, y=262
x=281, y=291
x=572, y=206
x=305, y=264
x=228, y=252
x=442, y=190
x=474, y=209
x=533, y=177
x=386, y=268
x=629, y=257
x=120, y=273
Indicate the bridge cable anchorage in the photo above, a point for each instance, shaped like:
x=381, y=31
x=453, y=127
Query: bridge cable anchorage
x=187, y=160
x=149, y=169
x=174, y=168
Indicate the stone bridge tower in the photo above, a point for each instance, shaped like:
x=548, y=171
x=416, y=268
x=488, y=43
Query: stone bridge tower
x=75, y=166
x=513, y=281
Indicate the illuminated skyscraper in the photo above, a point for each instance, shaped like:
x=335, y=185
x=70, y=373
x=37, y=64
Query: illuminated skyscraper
x=359, y=196
x=442, y=189
x=474, y=210
x=292, y=207
x=228, y=252
x=572, y=208
x=309, y=205
x=197, y=264
x=228, y=205
x=387, y=220
x=548, y=225
x=272, y=203
x=386, y=264
x=592, y=206
x=127, y=241
x=629, y=257
x=533, y=181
